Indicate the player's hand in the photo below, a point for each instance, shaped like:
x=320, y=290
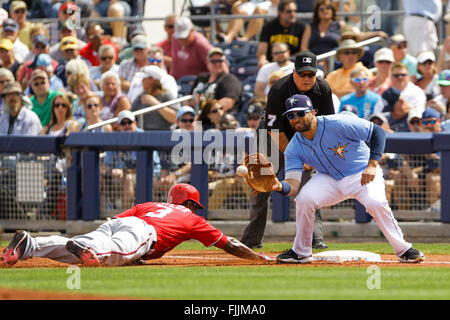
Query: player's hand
x=369, y=173
x=275, y=185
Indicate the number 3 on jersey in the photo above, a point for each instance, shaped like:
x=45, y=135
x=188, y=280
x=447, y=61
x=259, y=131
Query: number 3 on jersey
x=160, y=213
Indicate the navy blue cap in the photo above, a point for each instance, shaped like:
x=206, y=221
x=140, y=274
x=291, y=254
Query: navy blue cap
x=390, y=97
x=431, y=113
x=40, y=38
x=298, y=102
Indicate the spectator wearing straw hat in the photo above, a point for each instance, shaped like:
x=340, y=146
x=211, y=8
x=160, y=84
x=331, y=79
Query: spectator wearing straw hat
x=349, y=54
x=17, y=120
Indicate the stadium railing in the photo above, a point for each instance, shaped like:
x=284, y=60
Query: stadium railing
x=83, y=171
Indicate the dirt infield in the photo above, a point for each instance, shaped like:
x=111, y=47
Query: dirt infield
x=190, y=258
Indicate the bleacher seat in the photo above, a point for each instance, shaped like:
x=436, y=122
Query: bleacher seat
x=185, y=85
x=248, y=84
x=246, y=97
x=244, y=67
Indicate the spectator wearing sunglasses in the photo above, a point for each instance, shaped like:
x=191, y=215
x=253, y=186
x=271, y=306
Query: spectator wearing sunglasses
x=155, y=58
x=166, y=44
x=400, y=79
x=65, y=30
x=399, y=46
x=96, y=39
x=68, y=13
x=218, y=83
x=106, y=56
x=130, y=67
x=18, y=12
x=348, y=54
x=367, y=102
x=92, y=107
x=181, y=173
x=209, y=116
x=427, y=74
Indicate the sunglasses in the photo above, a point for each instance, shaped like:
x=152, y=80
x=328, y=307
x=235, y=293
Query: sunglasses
x=19, y=11
x=37, y=84
x=126, y=123
x=349, y=52
x=106, y=58
x=153, y=60
x=384, y=61
x=426, y=122
x=169, y=26
x=289, y=11
x=254, y=118
x=91, y=105
x=216, y=110
x=297, y=114
x=304, y=75
x=399, y=75
x=415, y=122
x=402, y=46
x=59, y=105
x=279, y=52
x=324, y=8
x=217, y=61
x=187, y=120
x=359, y=80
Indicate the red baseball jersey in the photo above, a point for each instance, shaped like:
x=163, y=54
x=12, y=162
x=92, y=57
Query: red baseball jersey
x=174, y=224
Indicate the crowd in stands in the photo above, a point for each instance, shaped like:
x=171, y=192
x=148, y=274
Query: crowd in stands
x=56, y=79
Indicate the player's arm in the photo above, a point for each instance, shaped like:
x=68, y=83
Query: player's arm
x=290, y=186
x=238, y=249
x=376, y=144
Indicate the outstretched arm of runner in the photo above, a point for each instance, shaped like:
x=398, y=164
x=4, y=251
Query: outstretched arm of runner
x=238, y=249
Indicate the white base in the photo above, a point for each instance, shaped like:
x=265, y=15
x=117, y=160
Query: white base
x=340, y=256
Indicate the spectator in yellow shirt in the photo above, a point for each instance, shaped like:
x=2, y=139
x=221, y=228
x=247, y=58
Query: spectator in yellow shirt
x=339, y=79
x=18, y=12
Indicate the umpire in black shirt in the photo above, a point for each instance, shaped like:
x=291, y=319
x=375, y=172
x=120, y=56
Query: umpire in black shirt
x=302, y=81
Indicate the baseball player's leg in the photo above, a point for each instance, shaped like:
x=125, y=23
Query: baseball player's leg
x=373, y=197
x=319, y=192
x=119, y=241
x=318, y=222
x=254, y=232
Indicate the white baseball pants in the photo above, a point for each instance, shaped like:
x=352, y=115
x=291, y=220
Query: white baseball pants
x=323, y=190
x=116, y=242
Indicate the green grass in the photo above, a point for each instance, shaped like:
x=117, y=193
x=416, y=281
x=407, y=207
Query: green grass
x=250, y=282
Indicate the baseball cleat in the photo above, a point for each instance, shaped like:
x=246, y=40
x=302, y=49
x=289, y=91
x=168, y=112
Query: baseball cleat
x=289, y=256
x=87, y=257
x=14, y=251
x=412, y=256
x=319, y=244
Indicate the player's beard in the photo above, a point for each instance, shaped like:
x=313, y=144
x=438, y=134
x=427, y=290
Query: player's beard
x=302, y=127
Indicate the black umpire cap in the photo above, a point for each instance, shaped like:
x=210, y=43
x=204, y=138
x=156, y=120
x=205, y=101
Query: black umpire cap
x=306, y=61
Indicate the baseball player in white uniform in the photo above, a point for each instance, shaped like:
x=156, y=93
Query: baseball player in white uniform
x=345, y=151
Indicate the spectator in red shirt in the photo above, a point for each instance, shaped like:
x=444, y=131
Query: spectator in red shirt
x=96, y=38
x=189, y=50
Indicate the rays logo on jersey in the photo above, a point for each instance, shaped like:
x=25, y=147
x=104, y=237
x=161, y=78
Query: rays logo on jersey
x=339, y=150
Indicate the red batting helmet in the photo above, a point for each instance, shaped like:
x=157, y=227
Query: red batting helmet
x=181, y=192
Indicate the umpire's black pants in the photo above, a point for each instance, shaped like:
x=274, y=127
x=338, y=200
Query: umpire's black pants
x=254, y=232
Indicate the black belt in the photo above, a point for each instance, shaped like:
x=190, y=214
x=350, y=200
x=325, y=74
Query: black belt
x=422, y=15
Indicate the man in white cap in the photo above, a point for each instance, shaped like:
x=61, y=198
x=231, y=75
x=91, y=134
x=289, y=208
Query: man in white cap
x=189, y=50
x=119, y=167
x=383, y=60
x=399, y=46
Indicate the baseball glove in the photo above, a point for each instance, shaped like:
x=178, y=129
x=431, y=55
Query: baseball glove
x=260, y=175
